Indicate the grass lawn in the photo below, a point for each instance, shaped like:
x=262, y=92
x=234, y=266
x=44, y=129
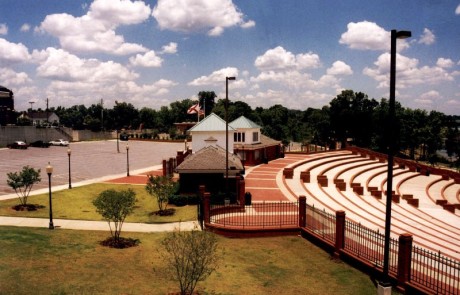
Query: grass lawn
x=41, y=261
x=76, y=203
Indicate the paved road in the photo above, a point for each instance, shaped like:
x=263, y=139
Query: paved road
x=89, y=160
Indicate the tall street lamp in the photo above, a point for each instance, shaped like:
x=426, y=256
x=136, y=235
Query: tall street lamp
x=391, y=147
x=49, y=171
x=118, y=145
x=226, y=133
x=127, y=160
x=69, y=152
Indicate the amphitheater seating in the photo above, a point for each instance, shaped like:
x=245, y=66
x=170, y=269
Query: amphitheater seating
x=356, y=183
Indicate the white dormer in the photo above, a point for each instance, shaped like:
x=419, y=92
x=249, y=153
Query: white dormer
x=247, y=132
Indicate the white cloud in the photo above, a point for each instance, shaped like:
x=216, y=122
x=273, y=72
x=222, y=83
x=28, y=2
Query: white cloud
x=57, y=64
x=408, y=72
x=444, y=62
x=199, y=15
x=95, y=31
x=216, y=31
x=25, y=28
x=171, y=48
x=149, y=59
x=216, y=77
x=457, y=11
x=339, y=68
x=427, y=37
x=367, y=35
x=12, y=52
x=3, y=29
x=248, y=24
x=280, y=59
x=10, y=77
x=431, y=96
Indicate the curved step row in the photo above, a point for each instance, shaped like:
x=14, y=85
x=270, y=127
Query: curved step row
x=361, y=206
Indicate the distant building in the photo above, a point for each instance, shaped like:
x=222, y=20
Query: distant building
x=251, y=145
x=43, y=118
x=207, y=164
x=7, y=114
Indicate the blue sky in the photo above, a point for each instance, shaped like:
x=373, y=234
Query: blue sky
x=298, y=53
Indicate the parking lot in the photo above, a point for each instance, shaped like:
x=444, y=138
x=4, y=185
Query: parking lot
x=89, y=160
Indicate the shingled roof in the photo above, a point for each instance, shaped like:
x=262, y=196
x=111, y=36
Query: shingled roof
x=210, y=158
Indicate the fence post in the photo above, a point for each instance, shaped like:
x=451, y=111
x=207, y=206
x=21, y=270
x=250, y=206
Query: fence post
x=207, y=207
x=339, y=231
x=302, y=211
x=404, y=258
x=164, y=168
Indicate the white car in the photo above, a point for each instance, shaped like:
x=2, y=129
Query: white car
x=60, y=142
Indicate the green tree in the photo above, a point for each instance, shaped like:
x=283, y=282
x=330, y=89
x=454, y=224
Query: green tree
x=22, y=182
x=114, y=206
x=192, y=257
x=207, y=101
x=161, y=187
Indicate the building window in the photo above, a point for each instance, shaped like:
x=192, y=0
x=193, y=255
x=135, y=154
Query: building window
x=239, y=137
x=255, y=136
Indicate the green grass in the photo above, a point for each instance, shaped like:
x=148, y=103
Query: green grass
x=72, y=262
x=77, y=204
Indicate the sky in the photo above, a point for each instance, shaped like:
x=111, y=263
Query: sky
x=297, y=53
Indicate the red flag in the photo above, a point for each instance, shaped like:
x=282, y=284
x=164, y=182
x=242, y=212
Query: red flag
x=194, y=109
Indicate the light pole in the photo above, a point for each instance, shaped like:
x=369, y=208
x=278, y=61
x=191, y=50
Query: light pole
x=226, y=133
x=118, y=145
x=69, y=152
x=127, y=160
x=49, y=171
x=391, y=118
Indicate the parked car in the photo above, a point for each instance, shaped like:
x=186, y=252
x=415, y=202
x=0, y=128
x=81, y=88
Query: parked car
x=60, y=142
x=18, y=145
x=40, y=144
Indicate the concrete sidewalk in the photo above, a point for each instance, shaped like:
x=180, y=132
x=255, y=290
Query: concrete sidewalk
x=97, y=225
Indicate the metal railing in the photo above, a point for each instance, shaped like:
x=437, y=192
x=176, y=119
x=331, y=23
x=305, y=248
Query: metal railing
x=369, y=244
x=321, y=223
x=260, y=215
x=435, y=272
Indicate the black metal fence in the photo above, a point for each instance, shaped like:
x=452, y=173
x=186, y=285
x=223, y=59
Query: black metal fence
x=369, y=245
x=321, y=223
x=429, y=271
x=435, y=272
x=259, y=215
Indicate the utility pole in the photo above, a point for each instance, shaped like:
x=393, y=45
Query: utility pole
x=47, y=115
x=102, y=114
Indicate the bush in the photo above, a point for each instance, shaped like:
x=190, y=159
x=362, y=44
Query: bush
x=182, y=200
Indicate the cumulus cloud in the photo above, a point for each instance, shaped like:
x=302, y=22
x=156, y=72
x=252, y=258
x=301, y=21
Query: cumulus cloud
x=3, y=29
x=25, y=28
x=58, y=64
x=171, y=48
x=10, y=77
x=12, y=52
x=280, y=59
x=95, y=31
x=427, y=37
x=444, y=62
x=339, y=68
x=215, y=78
x=367, y=35
x=199, y=15
x=409, y=72
x=457, y=11
x=149, y=59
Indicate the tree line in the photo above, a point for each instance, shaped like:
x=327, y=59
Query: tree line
x=350, y=118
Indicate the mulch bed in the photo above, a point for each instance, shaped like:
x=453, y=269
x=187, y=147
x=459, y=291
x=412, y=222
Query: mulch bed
x=121, y=243
x=28, y=207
